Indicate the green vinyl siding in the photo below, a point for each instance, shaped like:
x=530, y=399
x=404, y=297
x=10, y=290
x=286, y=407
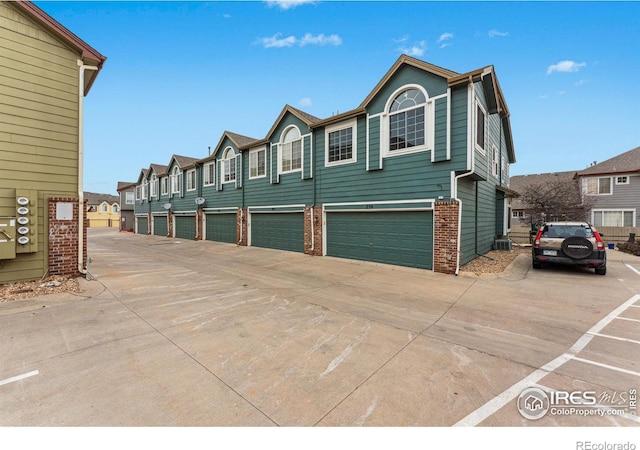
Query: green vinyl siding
x=284, y=231
x=142, y=224
x=398, y=237
x=221, y=227
x=160, y=226
x=185, y=227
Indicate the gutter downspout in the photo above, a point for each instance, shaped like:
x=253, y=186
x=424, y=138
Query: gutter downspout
x=470, y=170
x=82, y=67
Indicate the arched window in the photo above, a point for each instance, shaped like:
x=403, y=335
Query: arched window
x=291, y=150
x=175, y=180
x=115, y=208
x=228, y=165
x=407, y=121
x=153, y=186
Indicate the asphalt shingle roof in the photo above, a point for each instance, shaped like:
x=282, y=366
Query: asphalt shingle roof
x=624, y=163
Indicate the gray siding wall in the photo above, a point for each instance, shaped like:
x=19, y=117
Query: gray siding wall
x=624, y=196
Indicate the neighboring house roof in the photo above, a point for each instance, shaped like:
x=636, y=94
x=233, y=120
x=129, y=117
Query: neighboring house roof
x=626, y=162
x=124, y=185
x=89, y=55
x=93, y=198
x=520, y=183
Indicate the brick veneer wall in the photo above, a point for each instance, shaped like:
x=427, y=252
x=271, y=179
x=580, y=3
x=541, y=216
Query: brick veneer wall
x=445, y=236
x=63, y=239
x=313, y=247
x=241, y=226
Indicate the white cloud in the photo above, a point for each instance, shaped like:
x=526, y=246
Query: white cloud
x=565, y=66
x=416, y=49
x=277, y=41
x=580, y=83
x=444, y=39
x=305, y=101
x=287, y=4
x=496, y=33
x=320, y=39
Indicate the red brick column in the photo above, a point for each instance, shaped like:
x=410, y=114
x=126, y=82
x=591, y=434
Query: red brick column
x=242, y=226
x=313, y=246
x=63, y=236
x=445, y=236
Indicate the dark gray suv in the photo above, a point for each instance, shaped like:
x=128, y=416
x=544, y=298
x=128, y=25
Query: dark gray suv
x=569, y=243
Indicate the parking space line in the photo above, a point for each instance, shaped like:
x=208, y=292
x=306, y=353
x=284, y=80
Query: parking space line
x=633, y=268
x=19, y=377
x=493, y=405
x=607, y=366
x=627, y=318
x=608, y=336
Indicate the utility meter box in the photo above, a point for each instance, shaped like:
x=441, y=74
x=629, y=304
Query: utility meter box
x=26, y=221
x=7, y=237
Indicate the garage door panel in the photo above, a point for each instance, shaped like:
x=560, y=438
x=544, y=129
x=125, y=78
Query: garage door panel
x=185, y=227
x=283, y=231
x=142, y=223
x=160, y=227
x=221, y=228
x=400, y=238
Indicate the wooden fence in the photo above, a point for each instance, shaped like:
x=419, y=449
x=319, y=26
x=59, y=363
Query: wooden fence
x=521, y=234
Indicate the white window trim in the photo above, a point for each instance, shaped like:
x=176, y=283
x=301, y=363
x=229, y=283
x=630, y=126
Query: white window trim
x=153, y=186
x=619, y=210
x=205, y=172
x=281, y=146
x=429, y=125
x=192, y=180
x=476, y=104
x=256, y=151
x=129, y=198
x=104, y=207
x=145, y=189
x=229, y=154
x=495, y=160
x=626, y=181
x=353, y=124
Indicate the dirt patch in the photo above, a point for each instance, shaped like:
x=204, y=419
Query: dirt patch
x=495, y=261
x=28, y=289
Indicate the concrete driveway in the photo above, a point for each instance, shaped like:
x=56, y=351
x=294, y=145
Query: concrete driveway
x=178, y=333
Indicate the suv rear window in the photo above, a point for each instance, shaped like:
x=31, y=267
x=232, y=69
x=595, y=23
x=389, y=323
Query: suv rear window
x=566, y=231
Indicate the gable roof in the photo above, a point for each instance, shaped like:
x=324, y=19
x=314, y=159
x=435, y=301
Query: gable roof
x=183, y=162
x=307, y=118
x=626, y=162
x=520, y=183
x=89, y=55
x=238, y=140
x=158, y=169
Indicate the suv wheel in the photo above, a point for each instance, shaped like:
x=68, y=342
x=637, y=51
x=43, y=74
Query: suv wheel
x=577, y=247
x=601, y=270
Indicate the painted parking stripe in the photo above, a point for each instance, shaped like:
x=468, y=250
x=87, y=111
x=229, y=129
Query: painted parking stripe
x=607, y=366
x=19, y=377
x=493, y=405
x=633, y=268
x=627, y=318
x=608, y=336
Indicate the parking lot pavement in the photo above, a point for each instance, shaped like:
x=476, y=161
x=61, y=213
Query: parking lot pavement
x=177, y=333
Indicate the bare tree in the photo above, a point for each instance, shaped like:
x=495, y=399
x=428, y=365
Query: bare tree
x=556, y=200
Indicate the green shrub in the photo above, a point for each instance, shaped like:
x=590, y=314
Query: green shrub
x=629, y=247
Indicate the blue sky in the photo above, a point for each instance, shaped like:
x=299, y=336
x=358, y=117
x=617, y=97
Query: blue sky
x=179, y=74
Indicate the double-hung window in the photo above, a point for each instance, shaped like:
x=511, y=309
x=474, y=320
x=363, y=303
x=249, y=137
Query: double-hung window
x=145, y=189
x=596, y=186
x=129, y=198
x=257, y=163
x=495, y=161
x=480, y=127
x=614, y=218
x=164, y=185
x=291, y=151
x=229, y=166
x=407, y=120
x=153, y=186
x=191, y=180
x=209, y=174
x=340, y=144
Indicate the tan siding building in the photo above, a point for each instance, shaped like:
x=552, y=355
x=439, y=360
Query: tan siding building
x=45, y=71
